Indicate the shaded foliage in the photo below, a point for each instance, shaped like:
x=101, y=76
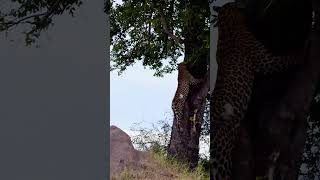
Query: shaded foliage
x=35, y=15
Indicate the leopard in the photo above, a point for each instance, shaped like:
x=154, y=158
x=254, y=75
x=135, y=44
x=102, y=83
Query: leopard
x=240, y=58
x=185, y=81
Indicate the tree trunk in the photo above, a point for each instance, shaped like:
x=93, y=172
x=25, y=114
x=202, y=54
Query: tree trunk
x=276, y=121
x=184, y=142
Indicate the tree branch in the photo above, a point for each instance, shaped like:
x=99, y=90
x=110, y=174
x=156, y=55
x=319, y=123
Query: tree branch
x=166, y=30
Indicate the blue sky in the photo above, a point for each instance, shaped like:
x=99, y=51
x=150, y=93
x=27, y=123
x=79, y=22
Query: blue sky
x=137, y=96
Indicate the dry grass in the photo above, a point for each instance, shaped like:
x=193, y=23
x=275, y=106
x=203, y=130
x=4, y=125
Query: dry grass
x=158, y=167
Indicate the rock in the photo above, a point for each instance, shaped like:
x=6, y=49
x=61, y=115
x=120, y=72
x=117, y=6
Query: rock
x=129, y=163
x=122, y=152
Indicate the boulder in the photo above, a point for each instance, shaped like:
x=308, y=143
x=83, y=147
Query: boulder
x=122, y=152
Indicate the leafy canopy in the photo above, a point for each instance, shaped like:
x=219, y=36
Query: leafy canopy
x=153, y=32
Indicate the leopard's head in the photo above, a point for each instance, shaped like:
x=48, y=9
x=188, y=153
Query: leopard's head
x=228, y=14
